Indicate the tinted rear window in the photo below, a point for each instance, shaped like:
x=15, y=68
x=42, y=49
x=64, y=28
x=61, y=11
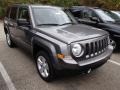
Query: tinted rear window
x=13, y=13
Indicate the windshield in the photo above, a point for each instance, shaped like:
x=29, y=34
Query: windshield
x=107, y=15
x=117, y=13
x=50, y=16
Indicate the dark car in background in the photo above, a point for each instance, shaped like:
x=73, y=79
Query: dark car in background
x=100, y=18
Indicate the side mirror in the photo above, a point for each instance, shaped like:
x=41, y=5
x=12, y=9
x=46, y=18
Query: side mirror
x=23, y=22
x=95, y=19
x=77, y=19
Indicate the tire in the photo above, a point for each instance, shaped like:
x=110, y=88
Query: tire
x=44, y=66
x=9, y=41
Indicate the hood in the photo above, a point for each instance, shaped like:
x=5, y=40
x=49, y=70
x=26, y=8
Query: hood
x=72, y=33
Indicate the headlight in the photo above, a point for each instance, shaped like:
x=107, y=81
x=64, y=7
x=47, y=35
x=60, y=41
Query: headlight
x=77, y=50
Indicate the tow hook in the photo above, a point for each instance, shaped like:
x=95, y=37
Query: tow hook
x=112, y=42
x=89, y=70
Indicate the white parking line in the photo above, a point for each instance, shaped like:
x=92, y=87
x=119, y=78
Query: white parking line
x=114, y=62
x=6, y=77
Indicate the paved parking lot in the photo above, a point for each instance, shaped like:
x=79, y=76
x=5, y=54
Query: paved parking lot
x=18, y=72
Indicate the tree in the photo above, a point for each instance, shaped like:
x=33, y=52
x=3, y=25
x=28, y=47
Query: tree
x=108, y=4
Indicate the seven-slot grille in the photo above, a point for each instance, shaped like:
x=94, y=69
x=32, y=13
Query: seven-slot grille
x=95, y=47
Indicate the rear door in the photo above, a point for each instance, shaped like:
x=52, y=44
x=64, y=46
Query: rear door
x=12, y=23
x=6, y=19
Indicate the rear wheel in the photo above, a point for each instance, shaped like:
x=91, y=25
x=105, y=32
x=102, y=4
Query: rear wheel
x=9, y=40
x=44, y=66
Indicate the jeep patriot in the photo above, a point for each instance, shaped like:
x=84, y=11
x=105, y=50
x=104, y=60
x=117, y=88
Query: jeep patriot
x=55, y=39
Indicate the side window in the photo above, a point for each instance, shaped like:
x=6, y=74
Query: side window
x=13, y=13
x=78, y=14
x=23, y=14
x=89, y=13
x=86, y=14
x=7, y=12
x=93, y=14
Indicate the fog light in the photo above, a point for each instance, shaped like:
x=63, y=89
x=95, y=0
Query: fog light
x=60, y=56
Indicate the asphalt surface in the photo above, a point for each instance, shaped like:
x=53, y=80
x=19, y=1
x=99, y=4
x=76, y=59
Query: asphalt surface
x=21, y=70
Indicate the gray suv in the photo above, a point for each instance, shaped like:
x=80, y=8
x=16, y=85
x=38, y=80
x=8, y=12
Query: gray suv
x=55, y=39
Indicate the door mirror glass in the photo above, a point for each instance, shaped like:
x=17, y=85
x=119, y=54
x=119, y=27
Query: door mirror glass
x=23, y=17
x=23, y=22
x=77, y=19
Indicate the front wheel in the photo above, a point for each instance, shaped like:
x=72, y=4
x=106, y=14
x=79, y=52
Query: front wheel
x=44, y=66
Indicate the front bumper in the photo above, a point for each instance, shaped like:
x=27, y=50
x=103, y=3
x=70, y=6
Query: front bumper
x=86, y=64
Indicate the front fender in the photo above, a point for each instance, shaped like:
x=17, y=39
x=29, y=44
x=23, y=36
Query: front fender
x=47, y=46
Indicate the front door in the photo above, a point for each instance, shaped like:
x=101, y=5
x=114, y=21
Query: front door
x=24, y=31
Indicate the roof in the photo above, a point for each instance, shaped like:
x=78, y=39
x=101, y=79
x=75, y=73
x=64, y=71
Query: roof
x=36, y=5
x=82, y=7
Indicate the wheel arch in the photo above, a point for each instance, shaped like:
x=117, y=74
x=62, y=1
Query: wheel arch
x=5, y=30
x=39, y=44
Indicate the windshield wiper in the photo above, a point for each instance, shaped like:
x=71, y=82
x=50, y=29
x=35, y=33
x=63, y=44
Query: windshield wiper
x=65, y=24
x=47, y=24
x=54, y=24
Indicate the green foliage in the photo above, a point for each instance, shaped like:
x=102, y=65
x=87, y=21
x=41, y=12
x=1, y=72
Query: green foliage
x=109, y=4
x=64, y=3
